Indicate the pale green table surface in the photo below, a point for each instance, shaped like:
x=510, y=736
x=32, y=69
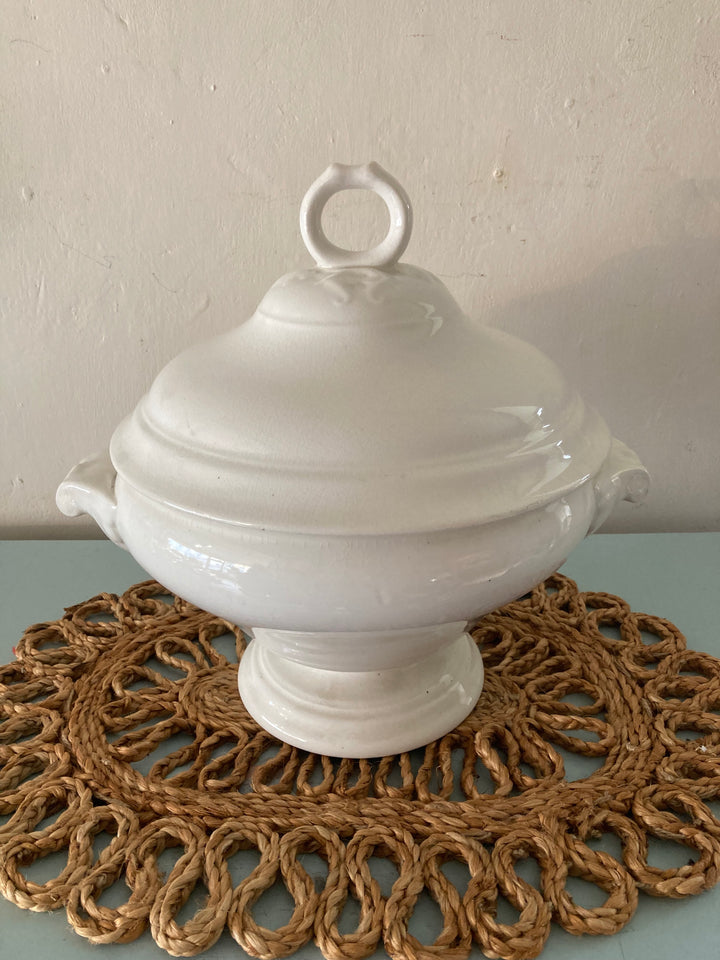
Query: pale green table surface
x=676, y=576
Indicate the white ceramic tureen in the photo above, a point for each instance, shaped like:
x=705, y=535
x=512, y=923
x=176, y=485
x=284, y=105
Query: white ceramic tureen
x=352, y=475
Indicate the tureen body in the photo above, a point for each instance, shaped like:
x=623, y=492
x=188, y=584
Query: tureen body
x=354, y=474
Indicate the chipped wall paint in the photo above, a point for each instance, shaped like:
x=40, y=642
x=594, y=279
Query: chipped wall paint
x=562, y=159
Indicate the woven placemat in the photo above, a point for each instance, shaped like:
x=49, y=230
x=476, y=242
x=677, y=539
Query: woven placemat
x=94, y=694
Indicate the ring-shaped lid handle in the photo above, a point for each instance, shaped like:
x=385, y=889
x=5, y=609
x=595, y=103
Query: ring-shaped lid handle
x=366, y=176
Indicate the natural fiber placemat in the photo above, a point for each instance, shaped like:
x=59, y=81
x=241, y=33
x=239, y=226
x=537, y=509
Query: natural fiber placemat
x=92, y=695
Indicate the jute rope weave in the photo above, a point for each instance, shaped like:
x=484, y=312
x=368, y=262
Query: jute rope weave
x=94, y=693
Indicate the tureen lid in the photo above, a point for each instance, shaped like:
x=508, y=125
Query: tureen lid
x=359, y=398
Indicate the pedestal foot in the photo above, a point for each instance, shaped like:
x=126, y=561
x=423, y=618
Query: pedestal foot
x=359, y=713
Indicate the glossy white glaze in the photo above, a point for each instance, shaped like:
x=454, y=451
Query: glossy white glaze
x=363, y=713
x=354, y=473
x=90, y=488
x=372, y=425
x=337, y=582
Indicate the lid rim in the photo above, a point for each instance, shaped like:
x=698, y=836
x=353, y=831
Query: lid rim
x=271, y=527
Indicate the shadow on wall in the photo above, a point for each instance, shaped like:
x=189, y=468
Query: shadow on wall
x=640, y=339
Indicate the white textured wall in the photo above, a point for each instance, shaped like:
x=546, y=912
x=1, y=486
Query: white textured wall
x=562, y=157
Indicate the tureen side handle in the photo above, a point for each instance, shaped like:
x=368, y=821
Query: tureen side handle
x=89, y=489
x=621, y=477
